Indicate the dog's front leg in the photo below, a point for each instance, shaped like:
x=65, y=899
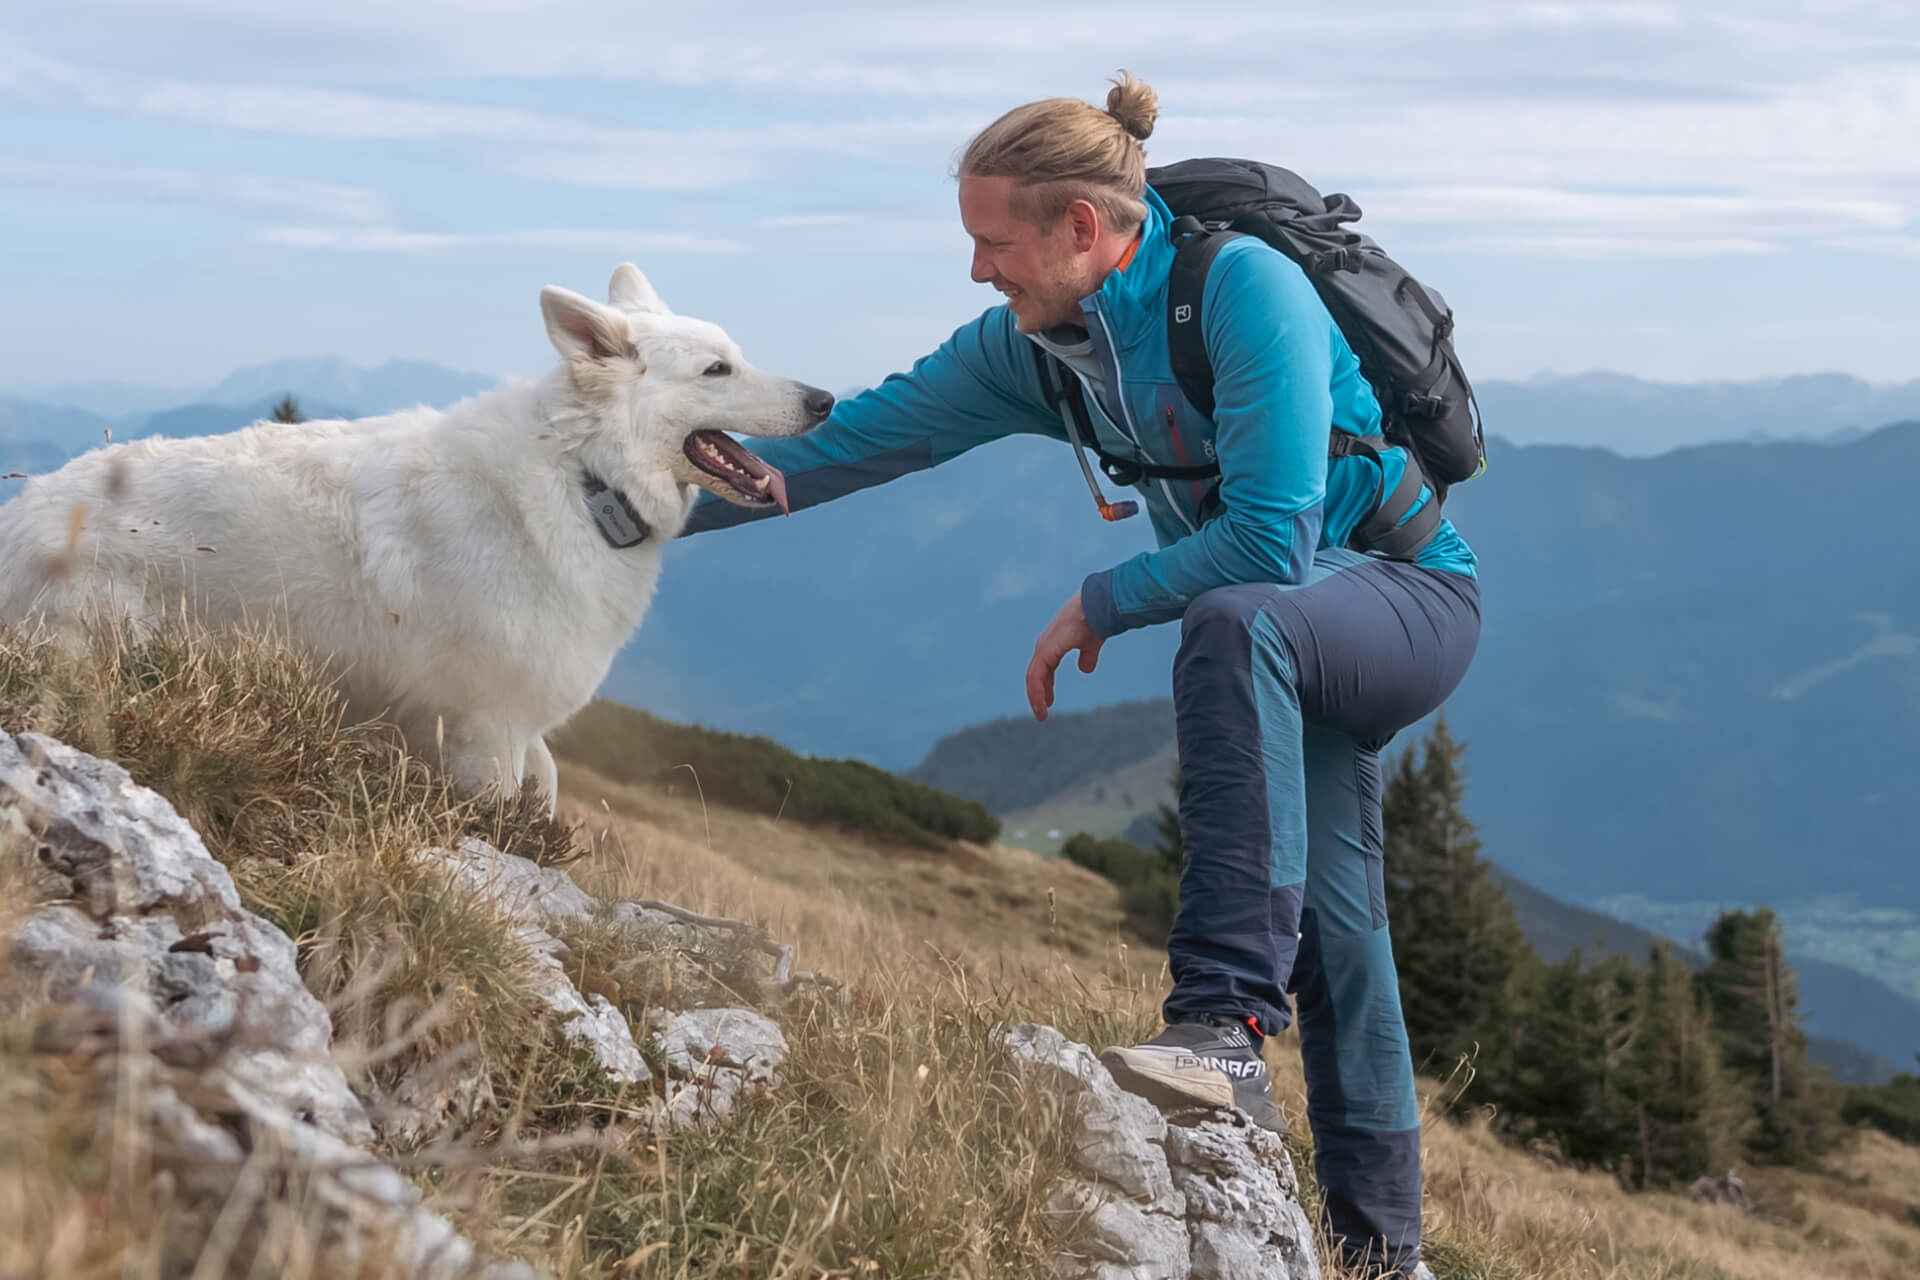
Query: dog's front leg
x=545, y=774
x=481, y=757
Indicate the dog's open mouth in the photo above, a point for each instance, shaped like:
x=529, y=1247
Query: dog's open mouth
x=754, y=482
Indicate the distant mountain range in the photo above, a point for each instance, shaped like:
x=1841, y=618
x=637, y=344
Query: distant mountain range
x=39, y=431
x=1697, y=679
x=1629, y=416
x=1636, y=418
x=328, y=380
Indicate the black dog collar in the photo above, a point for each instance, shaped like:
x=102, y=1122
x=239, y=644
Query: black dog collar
x=612, y=514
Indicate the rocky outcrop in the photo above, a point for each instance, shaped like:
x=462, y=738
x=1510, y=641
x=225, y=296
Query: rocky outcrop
x=189, y=1008
x=142, y=962
x=1188, y=1195
x=713, y=1056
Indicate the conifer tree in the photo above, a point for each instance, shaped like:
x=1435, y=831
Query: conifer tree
x=1462, y=958
x=1570, y=1069
x=1686, y=1112
x=288, y=410
x=1755, y=1000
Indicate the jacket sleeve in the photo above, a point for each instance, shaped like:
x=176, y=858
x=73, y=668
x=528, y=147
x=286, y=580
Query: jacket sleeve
x=1271, y=342
x=980, y=385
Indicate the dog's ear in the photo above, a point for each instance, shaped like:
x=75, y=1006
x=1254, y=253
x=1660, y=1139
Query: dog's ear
x=581, y=328
x=629, y=291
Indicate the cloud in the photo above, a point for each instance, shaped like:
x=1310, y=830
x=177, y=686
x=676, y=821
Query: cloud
x=553, y=146
x=1605, y=246
x=1546, y=221
x=394, y=240
x=248, y=193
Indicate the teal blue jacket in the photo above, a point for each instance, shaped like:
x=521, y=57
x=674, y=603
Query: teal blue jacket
x=1284, y=376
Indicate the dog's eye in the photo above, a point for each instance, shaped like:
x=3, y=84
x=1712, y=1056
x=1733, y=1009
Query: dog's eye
x=718, y=369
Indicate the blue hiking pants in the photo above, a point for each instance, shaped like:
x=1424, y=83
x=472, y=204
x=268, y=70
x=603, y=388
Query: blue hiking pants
x=1283, y=699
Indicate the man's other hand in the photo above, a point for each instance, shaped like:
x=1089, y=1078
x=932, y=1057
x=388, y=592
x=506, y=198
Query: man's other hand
x=1068, y=631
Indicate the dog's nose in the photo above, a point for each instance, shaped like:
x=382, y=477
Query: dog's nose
x=818, y=403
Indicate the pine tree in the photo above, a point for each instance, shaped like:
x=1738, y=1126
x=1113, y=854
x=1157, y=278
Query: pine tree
x=1686, y=1113
x=1570, y=1063
x=1755, y=1000
x=288, y=410
x=1462, y=959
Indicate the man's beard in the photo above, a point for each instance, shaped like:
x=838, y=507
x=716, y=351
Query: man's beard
x=1055, y=302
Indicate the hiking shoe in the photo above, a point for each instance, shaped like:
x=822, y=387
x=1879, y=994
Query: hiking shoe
x=1208, y=1062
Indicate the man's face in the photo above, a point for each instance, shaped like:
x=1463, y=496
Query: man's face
x=1042, y=273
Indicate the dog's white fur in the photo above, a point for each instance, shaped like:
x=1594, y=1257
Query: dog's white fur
x=443, y=562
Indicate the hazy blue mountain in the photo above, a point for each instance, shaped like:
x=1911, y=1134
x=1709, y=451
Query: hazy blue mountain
x=36, y=437
x=22, y=421
x=1697, y=678
x=395, y=385
x=1638, y=418
x=107, y=399
x=870, y=627
x=214, y=418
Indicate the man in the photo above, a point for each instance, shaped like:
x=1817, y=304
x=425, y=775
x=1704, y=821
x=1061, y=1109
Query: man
x=1300, y=655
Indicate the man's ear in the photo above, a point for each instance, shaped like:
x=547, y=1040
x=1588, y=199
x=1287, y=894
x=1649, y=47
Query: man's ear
x=582, y=329
x=1083, y=224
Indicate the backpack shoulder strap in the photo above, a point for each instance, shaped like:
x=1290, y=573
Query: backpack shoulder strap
x=1195, y=248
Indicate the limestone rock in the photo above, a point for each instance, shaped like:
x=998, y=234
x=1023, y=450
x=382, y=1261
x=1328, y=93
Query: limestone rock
x=519, y=889
x=1115, y=1237
x=157, y=916
x=1195, y=1194
x=590, y=1020
x=192, y=1013
x=530, y=897
x=434, y=1097
x=741, y=1039
x=714, y=1056
x=1119, y=1135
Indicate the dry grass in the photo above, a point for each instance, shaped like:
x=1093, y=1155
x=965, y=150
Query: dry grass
x=901, y=1144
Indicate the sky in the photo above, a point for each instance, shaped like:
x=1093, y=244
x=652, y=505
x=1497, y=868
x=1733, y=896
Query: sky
x=1677, y=191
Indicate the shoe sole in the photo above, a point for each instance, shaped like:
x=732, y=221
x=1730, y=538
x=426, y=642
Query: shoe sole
x=1154, y=1077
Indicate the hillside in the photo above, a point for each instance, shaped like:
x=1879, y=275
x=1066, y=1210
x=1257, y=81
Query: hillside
x=898, y=1145
x=1866, y=1026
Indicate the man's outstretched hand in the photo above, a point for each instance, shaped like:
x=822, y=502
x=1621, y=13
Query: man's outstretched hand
x=1068, y=631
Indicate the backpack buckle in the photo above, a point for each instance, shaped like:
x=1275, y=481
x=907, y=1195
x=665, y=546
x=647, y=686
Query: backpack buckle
x=1184, y=226
x=1427, y=406
x=1345, y=258
x=1120, y=471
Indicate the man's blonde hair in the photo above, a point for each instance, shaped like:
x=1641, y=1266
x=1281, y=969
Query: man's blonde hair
x=1060, y=150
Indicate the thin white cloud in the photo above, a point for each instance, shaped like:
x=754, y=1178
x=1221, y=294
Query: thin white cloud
x=394, y=240
x=547, y=145
x=1897, y=246
x=248, y=193
x=1783, y=215
x=1613, y=246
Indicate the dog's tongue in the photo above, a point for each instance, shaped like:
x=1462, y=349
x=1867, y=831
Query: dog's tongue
x=777, y=489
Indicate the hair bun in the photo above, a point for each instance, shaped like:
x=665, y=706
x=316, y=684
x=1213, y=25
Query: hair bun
x=1134, y=104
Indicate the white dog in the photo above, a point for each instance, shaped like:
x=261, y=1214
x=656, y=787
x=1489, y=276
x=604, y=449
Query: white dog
x=470, y=573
